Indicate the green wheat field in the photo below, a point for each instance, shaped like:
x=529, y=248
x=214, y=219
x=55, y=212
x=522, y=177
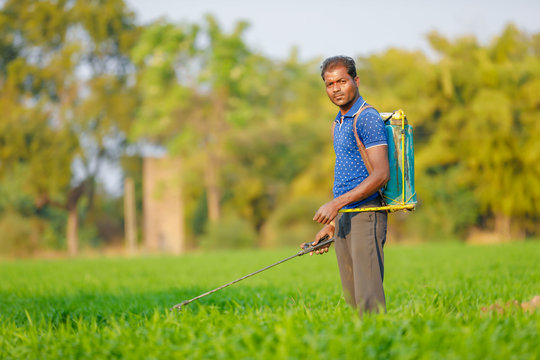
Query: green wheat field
x=445, y=301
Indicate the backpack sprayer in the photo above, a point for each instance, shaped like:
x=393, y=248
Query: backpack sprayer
x=309, y=247
x=398, y=193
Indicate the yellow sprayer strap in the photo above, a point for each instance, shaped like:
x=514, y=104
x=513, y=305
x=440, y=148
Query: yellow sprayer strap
x=389, y=208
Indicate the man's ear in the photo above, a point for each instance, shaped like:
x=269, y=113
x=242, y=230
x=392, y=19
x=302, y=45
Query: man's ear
x=357, y=80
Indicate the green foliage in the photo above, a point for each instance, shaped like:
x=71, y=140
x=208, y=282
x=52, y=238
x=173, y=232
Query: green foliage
x=82, y=85
x=234, y=117
x=488, y=118
x=286, y=225
x=12, y=191
x=448, y=207
x=161, y=49
x=17, y=236
x=25, y=230
x=230, y=232
x=57, y=120
x=104, y=308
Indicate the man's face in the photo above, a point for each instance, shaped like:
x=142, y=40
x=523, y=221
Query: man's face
x=341, y=88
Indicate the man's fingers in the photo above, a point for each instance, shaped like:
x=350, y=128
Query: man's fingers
x=322, y=250
x=322, y=219
x=316, y=241
x=321, y=216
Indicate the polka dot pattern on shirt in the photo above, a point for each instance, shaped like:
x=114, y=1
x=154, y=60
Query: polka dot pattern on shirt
x=350, y=169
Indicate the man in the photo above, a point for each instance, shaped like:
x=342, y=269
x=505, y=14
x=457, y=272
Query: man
x=359, y=236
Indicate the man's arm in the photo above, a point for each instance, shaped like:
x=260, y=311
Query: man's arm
x=378, y=157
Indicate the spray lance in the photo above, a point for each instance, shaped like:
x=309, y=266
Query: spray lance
x=308, y=247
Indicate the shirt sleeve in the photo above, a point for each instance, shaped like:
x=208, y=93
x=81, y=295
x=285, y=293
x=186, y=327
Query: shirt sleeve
x=371, y=129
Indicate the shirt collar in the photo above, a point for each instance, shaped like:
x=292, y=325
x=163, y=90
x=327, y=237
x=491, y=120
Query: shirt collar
x=353, y=110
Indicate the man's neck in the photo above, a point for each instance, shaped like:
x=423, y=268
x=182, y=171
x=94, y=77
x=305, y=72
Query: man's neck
x=345, y=108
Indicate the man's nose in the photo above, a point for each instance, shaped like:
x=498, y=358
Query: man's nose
x=336, y=88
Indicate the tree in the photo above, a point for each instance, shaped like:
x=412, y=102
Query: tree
x=487, y=128
x=191, y=96
x=66, y=74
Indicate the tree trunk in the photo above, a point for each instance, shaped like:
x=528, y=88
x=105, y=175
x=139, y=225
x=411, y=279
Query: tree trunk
x=502, y=226
x=72, y=231
x=72, y=227
x=215, y=135
x=130, y=222
x=213, y=191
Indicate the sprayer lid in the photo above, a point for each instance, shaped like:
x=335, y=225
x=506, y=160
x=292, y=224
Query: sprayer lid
x=394, y=118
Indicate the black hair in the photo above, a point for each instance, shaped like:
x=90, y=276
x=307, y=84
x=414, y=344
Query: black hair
x=333, y=61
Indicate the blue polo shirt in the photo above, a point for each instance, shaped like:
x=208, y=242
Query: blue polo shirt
x=350, y=169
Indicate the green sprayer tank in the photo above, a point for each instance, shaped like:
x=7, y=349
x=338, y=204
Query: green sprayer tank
x=399, y=192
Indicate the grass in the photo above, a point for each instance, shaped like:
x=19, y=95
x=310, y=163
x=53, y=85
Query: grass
x=118, y=307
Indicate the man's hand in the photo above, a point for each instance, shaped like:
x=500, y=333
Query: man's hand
x=327, y=212
x=327, y=230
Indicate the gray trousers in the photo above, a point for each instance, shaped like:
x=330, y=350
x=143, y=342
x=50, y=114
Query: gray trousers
x=359, y=242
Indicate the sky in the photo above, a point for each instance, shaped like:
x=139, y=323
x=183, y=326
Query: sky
x=356, y=28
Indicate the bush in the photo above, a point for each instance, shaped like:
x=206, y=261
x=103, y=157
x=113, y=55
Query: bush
x=446, y=209
x=231, y=232
x=292, y=223
x=18, y=236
